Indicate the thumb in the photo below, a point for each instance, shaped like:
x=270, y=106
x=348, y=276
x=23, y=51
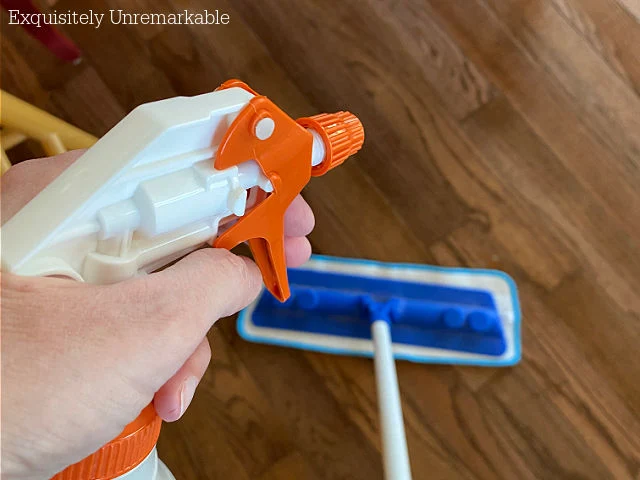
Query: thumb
x=212, y=280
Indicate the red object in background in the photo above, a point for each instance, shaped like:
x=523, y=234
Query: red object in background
x=48, y=35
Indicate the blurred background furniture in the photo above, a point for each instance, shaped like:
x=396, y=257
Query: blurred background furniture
x=48, y=35
x=20, y=121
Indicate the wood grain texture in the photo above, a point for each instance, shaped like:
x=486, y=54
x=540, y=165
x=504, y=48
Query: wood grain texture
x=632, y=7
x=456, y=80
x=500, y=134
x=542, y=32
x=544, y=102
x=609, y=29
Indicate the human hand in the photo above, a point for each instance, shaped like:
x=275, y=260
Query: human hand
x=80, y=361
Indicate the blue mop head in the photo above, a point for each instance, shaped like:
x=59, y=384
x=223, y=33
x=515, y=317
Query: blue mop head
x=436, y=314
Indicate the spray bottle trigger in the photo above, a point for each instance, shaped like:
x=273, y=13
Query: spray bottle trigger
x=283, y=151
x=266, y=240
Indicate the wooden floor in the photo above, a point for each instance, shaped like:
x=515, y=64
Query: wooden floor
x=501, y=134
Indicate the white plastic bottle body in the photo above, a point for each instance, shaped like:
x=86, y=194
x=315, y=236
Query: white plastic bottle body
x=165, y=199
x=151, y=468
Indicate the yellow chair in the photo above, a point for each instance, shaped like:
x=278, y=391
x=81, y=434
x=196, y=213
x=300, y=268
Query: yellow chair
x=20, y=120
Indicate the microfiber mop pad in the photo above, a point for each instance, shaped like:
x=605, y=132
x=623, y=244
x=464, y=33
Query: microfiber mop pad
x=436, y=314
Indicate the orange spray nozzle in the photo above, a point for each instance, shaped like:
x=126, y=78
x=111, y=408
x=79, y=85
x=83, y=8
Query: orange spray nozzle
x=284, y=150
x=342, y=134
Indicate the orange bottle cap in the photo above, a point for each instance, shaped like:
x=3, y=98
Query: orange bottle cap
x=121, y=454
x=342, y=133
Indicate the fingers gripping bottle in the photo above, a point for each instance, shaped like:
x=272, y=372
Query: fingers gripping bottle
x=173, y=175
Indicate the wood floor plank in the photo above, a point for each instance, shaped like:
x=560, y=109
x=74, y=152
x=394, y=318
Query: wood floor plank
x=257, y=437
x=185, y=63
x=602, y=327
x=195, y=447
x=462, y=431
x=120, y=58
x=291, y=466
x=491, y=193
x=230, y=403
x=568, y=421
x=320, y=429
x=610, y=31
x=18, y=75
x=362, y=82
x=235, y=51
x=608, y=103
x=202, y=452
x=80, y=97
x=599, y=241
x=458, y=83
x=540, y=180
x=473, y=175
x=552, y=406
x=550, y=111
x=348, y=191
x=352, y=382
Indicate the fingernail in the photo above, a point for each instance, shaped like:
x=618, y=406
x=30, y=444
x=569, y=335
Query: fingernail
x=187, y=391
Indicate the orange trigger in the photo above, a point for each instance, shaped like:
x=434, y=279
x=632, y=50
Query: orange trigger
x=284, y=156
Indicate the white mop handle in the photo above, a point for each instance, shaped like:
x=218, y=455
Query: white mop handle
x=394, y=442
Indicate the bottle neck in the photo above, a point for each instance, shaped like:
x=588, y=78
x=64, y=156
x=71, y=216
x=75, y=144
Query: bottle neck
x=146, y=470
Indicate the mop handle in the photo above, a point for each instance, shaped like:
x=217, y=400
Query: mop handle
x=394, y=442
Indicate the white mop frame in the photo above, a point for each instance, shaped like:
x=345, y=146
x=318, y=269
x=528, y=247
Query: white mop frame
x=500, y=285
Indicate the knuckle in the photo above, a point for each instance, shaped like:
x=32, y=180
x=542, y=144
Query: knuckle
x=243, y=273
x=234, y=261
x=235, y=266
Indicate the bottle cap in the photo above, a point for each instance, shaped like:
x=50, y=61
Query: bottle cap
x=121, y=454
